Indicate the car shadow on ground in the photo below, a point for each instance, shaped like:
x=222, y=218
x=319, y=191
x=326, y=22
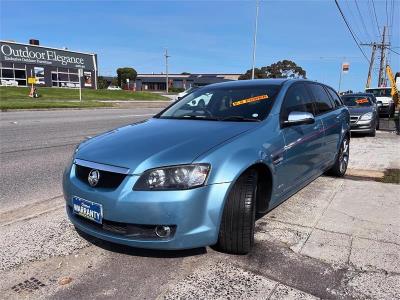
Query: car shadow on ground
x=127, y=250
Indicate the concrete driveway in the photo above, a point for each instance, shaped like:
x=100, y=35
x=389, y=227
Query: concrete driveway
x=336, y=238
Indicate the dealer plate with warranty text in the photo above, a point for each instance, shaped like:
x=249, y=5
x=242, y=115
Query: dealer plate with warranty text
x=87, y=209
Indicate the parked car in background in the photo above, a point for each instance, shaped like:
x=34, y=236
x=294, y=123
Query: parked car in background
x=194, y=176
x=383, y=95
x=364, y=113
x=186, y=92
x=114, y=88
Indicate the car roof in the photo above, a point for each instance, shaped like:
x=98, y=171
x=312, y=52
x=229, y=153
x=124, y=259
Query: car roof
x=359, y=94
x=249, y=83
x=258, y=82
x=379, y=88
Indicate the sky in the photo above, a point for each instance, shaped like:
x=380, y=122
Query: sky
x=208, y=36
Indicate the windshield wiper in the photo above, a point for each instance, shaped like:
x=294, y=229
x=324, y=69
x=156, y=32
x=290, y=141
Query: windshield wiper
x=197, y=117
x=239, y=118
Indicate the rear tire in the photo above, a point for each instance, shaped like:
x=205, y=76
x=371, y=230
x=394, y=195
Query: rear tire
x=342, y=159
x=236, y=234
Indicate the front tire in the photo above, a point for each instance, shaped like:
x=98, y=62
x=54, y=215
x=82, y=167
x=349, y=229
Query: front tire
x=236, y=234
x=342, y=159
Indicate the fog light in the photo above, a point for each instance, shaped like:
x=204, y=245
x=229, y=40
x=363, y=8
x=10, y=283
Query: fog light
x=163, y=231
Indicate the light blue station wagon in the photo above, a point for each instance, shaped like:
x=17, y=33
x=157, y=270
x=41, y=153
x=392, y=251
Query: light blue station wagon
x=197, y=173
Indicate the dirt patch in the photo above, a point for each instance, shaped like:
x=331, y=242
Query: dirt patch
x=387, y=176
x=391, y=176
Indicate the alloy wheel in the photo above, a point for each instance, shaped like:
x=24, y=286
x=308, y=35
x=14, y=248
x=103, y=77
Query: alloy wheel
x=344, y=156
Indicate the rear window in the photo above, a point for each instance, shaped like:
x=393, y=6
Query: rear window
x=357, y=101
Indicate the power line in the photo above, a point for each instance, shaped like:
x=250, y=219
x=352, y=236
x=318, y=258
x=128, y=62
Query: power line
x=390, y=49
x=351, y=31
x=362, y=20
x=371, y=17
x=376, y=18
x=352, y=17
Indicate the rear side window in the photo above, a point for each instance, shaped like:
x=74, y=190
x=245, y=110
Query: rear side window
x=322, y=100
x=335, y=97
x=297, y=99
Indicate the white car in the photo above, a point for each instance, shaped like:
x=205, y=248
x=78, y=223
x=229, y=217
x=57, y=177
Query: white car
x=186, y=92
x=383, y=95
x=114, y=88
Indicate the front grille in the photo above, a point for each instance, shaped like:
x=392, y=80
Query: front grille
x=107, y=179
x=354, y=119
x=133, y=231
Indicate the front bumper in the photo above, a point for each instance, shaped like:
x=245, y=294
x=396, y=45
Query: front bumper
x=386, y=109
x=363, y=126
x=195, y=214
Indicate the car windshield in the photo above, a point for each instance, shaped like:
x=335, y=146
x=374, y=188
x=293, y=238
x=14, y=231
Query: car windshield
x=379, y=92
x=357, y=101
x=225, y=104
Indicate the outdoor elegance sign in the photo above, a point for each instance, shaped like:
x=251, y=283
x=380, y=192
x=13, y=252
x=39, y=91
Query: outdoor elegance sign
x=46, y=56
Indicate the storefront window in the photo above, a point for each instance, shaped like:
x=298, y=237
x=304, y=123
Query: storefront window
x=12, y=75
x=63, y=77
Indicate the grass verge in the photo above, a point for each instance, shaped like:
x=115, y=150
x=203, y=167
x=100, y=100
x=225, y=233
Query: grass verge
x=18, y=98
x=38, y=104
x=21, y=93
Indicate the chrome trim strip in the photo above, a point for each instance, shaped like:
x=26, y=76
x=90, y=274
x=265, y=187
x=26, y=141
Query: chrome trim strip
x=101, y=167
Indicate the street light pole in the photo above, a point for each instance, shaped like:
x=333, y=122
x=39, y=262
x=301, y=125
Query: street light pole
x=255, y=39
x=166, y=68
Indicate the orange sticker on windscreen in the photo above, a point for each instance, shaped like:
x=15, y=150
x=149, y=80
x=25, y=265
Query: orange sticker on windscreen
x=361, y=101
x=249, y=100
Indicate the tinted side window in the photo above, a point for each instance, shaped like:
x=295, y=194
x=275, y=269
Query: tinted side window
x=322, y=100
x=335, y=97
x=297, y=99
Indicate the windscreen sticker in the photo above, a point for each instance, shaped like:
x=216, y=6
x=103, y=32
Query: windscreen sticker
x=249, y=100
x=361, y=101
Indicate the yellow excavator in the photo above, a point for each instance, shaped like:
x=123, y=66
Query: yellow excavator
x=395, y=96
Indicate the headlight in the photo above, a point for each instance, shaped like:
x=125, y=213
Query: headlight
x=173, y=178
x=366, y=117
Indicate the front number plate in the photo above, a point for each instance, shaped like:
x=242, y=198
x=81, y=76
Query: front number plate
x=87, y=209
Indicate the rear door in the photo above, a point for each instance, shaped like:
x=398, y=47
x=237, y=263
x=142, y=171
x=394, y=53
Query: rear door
x=302, y=142
x=331, y=119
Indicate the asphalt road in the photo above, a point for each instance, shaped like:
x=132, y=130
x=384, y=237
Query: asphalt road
x=36, y=145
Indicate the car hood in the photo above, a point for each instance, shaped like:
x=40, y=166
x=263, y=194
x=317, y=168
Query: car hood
x=356, y=111
x=159, y=142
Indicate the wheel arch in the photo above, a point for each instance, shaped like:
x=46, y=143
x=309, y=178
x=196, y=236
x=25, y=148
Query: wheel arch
x=265, y=182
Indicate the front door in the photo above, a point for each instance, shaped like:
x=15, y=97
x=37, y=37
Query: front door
x=303, y=143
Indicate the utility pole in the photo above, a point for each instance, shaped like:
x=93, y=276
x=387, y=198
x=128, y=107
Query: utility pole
x=166, y=69
x=255, y=39
x=382, y=46
x=371, y=65
x=382, y=63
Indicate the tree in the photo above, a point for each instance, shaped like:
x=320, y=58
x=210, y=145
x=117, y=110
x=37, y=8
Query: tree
x=280, y=69
x=102, y=83
x=126, y=73
x=185, y=73
x=114, y=81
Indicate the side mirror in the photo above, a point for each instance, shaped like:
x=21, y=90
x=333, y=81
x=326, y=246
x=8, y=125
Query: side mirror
x=299, y=118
